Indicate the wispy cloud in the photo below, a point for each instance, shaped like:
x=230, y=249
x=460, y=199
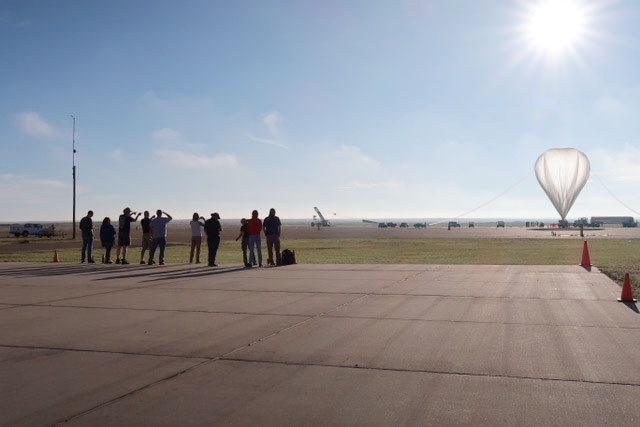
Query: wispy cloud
x=191, y=161
x=354, y=155
x=268, y=141
x=622, y=165
x=27, y=180
x=173, y=138
x=272, y=121
x=357, y=185
x=167, y=135
x=152, y=100
x=33, y=125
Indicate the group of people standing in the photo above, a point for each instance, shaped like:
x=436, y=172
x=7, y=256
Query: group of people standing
x=154, y=236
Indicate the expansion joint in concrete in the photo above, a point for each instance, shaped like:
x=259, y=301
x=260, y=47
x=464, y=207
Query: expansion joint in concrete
x=428, y=371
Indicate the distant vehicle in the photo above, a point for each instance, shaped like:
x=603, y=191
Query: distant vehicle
x=382, y=225
x=472, y=224
x=392, y=224
x=625, y=221
x=319, y=221
x=404, y=225
x=31, y=229
x=581, y=222
x=500, y=224
x=453, y=224
x=420, y=225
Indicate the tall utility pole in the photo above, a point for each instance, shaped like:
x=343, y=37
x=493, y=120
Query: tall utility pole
x=74, y=176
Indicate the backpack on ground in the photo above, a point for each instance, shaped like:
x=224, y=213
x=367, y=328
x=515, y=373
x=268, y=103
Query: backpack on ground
x=287, y=257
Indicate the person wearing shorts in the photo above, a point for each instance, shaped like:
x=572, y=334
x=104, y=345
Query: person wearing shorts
x=145, y=223
x=124, y=234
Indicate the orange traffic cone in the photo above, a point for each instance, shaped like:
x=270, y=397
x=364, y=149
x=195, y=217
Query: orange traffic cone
x=627, y=295
x=55, y=256
x=294, y=257
x=586, y=260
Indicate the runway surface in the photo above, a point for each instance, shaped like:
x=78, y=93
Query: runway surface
x=316, y=345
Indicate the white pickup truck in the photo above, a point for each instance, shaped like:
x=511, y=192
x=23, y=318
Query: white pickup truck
x=31, y=229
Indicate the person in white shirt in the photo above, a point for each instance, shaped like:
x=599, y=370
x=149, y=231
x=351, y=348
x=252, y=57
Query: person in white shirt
x=159, y=235
x=196, y=236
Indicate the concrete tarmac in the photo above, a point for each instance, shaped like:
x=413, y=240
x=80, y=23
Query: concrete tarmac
x=316, y=345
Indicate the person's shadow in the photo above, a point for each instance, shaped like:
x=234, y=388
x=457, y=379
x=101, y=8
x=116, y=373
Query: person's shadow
x=109, y=272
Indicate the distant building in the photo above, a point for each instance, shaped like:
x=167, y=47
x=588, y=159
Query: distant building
x=625, y=221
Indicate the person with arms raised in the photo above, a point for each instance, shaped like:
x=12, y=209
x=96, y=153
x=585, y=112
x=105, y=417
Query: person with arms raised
x=124, y=234
x=159, y=235
x=196, y=236
x=145, y=223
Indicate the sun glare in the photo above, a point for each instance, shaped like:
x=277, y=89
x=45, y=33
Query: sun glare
x=555, y=25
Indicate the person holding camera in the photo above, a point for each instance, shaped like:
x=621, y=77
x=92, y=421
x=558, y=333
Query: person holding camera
x=159, y=235
x=124, y=234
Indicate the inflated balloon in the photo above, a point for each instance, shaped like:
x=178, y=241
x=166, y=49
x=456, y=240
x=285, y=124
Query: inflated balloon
x=562, y=172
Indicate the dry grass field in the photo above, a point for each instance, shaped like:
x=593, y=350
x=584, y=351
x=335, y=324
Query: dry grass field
x=613, y=250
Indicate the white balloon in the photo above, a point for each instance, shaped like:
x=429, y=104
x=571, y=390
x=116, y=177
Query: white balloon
x=562, y=172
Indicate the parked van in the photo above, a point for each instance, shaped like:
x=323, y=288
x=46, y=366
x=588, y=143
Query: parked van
x=31, y=229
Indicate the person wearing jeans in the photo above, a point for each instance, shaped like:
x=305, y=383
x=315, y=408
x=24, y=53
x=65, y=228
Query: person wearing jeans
x=272, y=228
x=255, y=227
x=159, y=234
x=196, y=237
x=244, y=234
x=86, y=225
x=213, y=228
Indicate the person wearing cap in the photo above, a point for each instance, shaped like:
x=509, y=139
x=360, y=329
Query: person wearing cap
x=124, y=234
x=145, y=242
x=212, y=229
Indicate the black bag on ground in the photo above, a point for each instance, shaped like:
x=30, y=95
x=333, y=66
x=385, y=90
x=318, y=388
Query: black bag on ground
x=287, y=257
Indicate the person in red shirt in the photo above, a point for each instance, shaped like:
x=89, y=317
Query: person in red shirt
x=255, y=227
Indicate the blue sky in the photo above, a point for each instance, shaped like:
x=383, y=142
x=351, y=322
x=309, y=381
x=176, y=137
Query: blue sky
x=412, y=108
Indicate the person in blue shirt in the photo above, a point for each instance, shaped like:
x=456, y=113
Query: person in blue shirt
x=108, y=238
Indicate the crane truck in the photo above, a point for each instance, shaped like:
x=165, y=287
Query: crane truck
x=320, y=221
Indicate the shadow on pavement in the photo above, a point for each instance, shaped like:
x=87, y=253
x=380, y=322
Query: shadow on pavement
x=184, y=273
x=632, y=306
x=109, y=272
x=62, y=269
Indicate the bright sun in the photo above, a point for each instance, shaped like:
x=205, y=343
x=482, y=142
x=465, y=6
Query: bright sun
x=555, y=25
